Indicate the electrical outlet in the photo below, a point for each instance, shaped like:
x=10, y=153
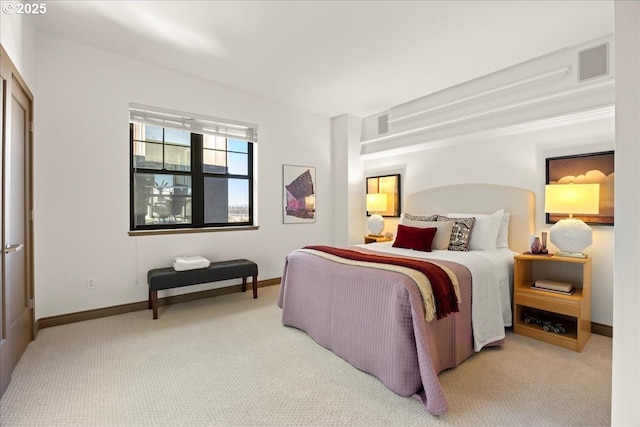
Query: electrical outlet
x=91, y=283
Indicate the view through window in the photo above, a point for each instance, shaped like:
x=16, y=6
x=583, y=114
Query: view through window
x=186, y=179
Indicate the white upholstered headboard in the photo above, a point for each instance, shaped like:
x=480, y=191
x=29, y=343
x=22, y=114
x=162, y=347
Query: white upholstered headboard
x=480, y=198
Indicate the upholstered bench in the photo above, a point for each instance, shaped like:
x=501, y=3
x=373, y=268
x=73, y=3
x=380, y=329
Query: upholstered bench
x=168, y=278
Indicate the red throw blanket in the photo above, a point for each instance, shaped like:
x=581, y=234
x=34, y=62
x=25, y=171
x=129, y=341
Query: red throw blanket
x=441, y=285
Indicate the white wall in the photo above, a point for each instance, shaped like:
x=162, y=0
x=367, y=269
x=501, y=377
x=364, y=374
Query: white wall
x=348, y=180
x=625, y=410
x=517, y=160
x=18, y=38
x=82, y=177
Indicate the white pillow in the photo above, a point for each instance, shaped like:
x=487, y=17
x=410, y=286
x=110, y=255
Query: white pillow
x=503, y=233
x=484, y=233
x=443, y=234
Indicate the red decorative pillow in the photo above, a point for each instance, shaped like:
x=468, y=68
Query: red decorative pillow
x=419, y=239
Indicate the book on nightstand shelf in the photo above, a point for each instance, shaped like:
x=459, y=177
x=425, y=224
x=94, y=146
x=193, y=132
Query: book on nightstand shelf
x=553, y=286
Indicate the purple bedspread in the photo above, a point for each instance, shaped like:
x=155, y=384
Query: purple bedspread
x=374, y=319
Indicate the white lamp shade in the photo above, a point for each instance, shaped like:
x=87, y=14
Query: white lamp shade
x=376, y=202
x=572, y=198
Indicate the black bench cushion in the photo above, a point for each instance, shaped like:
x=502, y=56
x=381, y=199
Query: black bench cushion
x=167, y=278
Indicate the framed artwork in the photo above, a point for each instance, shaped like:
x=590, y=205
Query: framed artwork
x=591, y=168
x=298, y=194
x=390, y=185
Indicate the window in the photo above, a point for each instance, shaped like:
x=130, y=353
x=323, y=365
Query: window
x=189, y=172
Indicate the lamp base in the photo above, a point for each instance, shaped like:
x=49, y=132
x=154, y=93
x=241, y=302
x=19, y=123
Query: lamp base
x=572, y=254
x=570, y=236
x=376, y=224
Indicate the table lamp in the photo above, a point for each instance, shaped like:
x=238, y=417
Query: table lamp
x=376, y=202
x=571, y=235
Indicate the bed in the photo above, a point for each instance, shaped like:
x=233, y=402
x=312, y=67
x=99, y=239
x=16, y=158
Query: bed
x=377, y=317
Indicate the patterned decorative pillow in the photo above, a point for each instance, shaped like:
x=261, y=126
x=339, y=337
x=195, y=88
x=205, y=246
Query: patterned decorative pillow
x=419, y=217
x=460, y=233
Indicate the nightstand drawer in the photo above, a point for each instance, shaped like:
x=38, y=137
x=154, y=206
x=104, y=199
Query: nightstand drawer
x=552, y=304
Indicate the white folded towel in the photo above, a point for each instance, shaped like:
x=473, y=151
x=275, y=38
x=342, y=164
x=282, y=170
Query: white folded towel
x=183, y=263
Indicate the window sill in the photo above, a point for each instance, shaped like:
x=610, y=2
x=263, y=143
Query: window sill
x=191, y=230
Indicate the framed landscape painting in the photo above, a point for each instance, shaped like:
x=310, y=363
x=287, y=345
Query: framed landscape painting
x=591, y=168
x=298, y=194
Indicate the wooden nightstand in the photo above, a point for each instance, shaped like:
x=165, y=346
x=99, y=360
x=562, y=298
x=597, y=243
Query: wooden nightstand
x=572, y=311
x=375, y=239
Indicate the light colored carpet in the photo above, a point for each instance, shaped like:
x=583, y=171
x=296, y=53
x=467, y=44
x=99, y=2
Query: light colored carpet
x=229, y=361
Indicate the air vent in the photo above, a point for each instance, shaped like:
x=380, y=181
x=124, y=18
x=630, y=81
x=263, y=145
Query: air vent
x=593, y=62
x=383, y=124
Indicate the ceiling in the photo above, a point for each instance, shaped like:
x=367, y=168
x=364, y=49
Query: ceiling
x=331, y=57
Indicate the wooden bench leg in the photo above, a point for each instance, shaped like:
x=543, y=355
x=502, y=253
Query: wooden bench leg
x=244, y=284
x=153, y=300
x=255, y=287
